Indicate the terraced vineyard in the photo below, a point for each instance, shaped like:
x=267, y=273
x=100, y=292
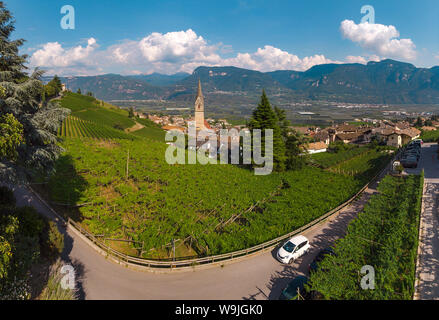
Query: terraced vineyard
x=151, y=130
x=363, y=166
x=208, y=209
x=119, y=185
x=88, y=109
x=74, y=127
x=328, y=159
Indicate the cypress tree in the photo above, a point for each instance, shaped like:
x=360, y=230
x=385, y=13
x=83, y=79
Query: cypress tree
x=21, y=96
x=264, y=117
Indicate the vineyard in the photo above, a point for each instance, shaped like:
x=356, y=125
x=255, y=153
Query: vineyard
x=92, y=119
x=88, y=109
x=151, y=130
x=77, y=128
x=384, y=236
x=329, y=159
x=363, y=166
x=125, y=190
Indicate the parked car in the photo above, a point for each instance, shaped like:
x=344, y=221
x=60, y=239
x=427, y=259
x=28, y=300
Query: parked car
x=409, y=162
x=294, y=288
x=414, y=147
x=321, y=255
x=412, y=153
x=293, y=249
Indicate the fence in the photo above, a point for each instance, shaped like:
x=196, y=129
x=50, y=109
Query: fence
x=158, y=264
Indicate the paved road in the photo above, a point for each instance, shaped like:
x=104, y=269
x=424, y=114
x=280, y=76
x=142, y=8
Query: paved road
x=428, y=264
x=257, y=277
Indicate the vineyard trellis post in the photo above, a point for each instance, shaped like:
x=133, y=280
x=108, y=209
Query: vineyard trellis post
x=128, y=161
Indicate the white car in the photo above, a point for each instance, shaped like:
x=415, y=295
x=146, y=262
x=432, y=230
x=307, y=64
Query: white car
x=293, y=249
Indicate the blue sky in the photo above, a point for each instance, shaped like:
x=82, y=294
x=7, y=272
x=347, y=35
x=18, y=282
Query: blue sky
x=139, y=36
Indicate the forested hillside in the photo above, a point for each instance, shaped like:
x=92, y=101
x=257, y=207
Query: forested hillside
x=385, y=82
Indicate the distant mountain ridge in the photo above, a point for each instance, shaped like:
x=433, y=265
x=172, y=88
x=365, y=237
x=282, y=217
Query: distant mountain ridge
x=384, y=82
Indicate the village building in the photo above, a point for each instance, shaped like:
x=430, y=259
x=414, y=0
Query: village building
x=428, y=128
x=317, y=147
x=170, y=128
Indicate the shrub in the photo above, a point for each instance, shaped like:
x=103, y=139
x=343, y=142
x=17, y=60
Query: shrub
x=53, y=289
x=118, y=126
x=31, y=223
x=52, y=240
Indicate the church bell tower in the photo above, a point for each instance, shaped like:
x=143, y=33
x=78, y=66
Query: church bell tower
x=199, y=108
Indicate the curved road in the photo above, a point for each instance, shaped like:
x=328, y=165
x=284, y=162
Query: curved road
x=257, y=277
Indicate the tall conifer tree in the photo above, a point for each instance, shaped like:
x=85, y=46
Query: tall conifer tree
x=21, y=95
x=264, y=117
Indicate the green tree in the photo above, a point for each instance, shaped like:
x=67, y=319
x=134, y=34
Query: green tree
x=264, y=117
x=282, y=122
x=21, y=96
x=11, y=136
x=79, y=91
x=49, y=91
x=54, y=87
x=131, y=112
x=295, y=147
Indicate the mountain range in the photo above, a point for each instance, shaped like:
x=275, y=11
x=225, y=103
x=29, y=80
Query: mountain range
x=384, y=82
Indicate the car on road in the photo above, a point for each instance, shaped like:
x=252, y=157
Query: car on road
x=293, y=249
x=409, y=161
x=413, y=153
x=320, y=256
x=295, y=289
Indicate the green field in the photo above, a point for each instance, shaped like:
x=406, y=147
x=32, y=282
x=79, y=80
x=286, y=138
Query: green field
x=88, y=109
x=77, y=128
x=91, y=120
x=329, y=159
x=209, y=209
x=364, y=166
x=430, y=136
x=151, y=130
x=384, y=236
x=122, y=188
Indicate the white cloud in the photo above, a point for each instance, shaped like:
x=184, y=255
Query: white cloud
x=167, y=53
x=270, y=58
x=379, y=39
x=362, y=59
x=54, y=56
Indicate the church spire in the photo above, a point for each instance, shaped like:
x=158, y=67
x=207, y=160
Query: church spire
x=199, y=93
x=199, y=108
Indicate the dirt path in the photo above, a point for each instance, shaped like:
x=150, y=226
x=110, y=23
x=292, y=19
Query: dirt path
x=136, y=127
